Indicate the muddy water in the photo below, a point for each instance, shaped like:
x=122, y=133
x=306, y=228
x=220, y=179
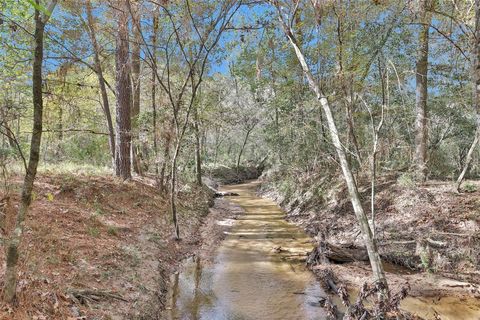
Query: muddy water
x=259, y=273
x=447, y=308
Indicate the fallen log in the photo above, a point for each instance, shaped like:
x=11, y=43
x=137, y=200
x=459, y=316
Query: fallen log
x=436, y=244
x=327, y=252
x=219, y=194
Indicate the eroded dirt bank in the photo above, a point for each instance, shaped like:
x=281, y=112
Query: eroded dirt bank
x=443, y=274
x=99, y=248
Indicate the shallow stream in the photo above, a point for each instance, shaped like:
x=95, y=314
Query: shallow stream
x=258, y=273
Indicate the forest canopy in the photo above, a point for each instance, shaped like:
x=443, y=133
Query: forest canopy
x=176, y=91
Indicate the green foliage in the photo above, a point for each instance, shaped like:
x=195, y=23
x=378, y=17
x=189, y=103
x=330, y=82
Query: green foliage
x=360, y=52
x=50, y=197
x=39, y=7
x=87, y=149
x=406, y=180
x=286, y=187
x=425, y=261
x=469, y=187
x=98, y=209
x=112, y=230
x=5, y=153
x=93, y=231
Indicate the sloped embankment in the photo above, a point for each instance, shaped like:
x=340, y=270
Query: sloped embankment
x=230, y=175
x=422, y=228
x=98, y=248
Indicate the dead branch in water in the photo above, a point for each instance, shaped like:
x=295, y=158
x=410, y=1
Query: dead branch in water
x=360, y=309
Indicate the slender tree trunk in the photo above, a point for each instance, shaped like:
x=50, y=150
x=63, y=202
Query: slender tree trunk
x=173, y=182
x=10, y=137
x=375, y=140
x=476, y=102
x=13, y=243
x=60, y=123
x=124, y=99
x=351, y=131
x=135, y=111
x=239, y=158
x=345, y=84
x=217, y=144
x=154, y=88
x=362, y=219
x=198, y=156
x=469, y=157
x=166, y=153
x=421, y=131
x=278, y=149
x=101, y=79
x=203, y=145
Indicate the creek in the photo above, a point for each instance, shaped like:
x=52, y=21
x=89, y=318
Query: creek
x=259, y=272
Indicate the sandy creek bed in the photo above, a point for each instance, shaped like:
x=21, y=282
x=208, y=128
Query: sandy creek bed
x=258, y=273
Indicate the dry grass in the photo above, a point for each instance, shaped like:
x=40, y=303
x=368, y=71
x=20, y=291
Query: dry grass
x=404, y=213
x=93, y=232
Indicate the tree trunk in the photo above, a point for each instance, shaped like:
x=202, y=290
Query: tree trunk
x=11, y=139
x=217, y=144
x=124, y=100
x=173, y=182
x=239, y=158
x=362, y=219
x=328, y=252
x=198, y=157
x=13, y=243
x=135, y=111
x=351, y=130
x=154, y=88
x=166, y=153
x=101, y=79
x=476, y=102
x=375, y=140
x=421, y=95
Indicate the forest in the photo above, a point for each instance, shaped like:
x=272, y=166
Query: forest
x=240, y=159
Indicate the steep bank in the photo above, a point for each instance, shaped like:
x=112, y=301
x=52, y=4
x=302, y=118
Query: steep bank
x=222, y=174
x=98, y=248
x=429, y=230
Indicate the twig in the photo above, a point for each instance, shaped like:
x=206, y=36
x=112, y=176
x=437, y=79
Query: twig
x=90, y=295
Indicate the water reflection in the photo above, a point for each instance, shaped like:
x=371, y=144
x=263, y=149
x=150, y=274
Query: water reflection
x=258, y=272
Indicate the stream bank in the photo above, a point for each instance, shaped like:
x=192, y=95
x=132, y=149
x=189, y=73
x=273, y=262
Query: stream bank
x=443, y=279
x=96, y=247
x=258, y=272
